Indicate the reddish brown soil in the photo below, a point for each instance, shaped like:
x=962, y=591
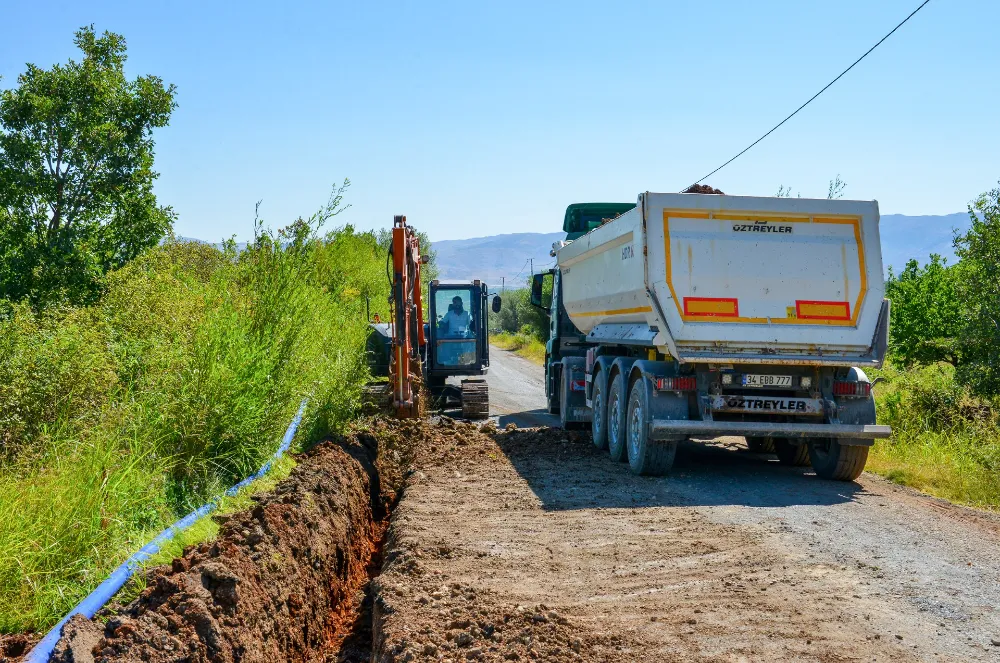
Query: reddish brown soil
x=14, y=646
x=284, y=580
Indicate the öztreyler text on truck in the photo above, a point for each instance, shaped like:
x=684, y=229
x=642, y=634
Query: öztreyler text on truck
x=700, y=315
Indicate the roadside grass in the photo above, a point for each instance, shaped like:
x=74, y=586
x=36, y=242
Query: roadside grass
x=118, y=418
x=206, y=529
x=945, y=442
x=522, y=343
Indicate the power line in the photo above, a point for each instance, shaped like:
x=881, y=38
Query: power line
x=747, y=149
x=521, y=270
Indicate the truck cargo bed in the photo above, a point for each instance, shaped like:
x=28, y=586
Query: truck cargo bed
x=710, y=278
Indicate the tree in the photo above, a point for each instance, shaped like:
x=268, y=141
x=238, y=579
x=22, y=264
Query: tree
x=926, y=312
x=979, y=289
x=76, y=173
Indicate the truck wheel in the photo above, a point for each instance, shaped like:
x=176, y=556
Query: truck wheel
x=599, y=413
x=791, y=453
x=645, y=456
x=760, y=445
x=551, y=386
x=833, y=460
x=617, y=413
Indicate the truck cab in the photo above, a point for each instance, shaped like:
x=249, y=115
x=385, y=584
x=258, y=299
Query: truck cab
x=565, y=339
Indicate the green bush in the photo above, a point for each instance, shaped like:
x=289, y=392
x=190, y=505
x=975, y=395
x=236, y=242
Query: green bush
x=118, y=417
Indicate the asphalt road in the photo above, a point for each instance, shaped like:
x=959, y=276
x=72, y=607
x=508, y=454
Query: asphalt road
x=917, y=571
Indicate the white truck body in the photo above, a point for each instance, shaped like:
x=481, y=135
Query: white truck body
x=723, y=279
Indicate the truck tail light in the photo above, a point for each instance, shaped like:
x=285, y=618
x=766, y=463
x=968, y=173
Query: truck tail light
x=852, y=389
x=677, y=384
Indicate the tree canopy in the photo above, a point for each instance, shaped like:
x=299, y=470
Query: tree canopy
x=76, y=172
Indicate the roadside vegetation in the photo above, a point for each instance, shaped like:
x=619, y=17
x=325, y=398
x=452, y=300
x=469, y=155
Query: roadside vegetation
x=141, y=376
x=522, y=328
x=524, y=343
x=941, y=389
x=120, y=416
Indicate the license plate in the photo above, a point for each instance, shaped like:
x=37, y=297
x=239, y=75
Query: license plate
x=755, y=380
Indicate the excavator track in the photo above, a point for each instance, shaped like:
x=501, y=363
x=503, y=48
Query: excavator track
x=475, y=398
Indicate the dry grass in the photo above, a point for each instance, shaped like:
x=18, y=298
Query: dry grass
x=521, y=344
x=945, y=442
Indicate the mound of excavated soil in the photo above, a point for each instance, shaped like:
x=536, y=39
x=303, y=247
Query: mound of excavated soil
x=283, y=581
x=425, y=612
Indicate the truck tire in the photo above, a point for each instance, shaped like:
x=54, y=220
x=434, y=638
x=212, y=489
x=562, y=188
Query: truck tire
x=617, y=417
x=832, y=460
x=760, y=445
x=599, y=413
x=791, y=453
x=551, y=385
x=645, y=456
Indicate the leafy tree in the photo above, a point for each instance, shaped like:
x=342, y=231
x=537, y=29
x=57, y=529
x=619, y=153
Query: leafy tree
x=979, y=288
x=518, y=315
x=76, y=173
x=926, y=312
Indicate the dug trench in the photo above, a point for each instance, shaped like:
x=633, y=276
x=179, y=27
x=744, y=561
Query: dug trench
x=529, y=544
x=284, y=580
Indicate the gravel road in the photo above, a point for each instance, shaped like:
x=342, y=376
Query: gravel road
x=731, y=557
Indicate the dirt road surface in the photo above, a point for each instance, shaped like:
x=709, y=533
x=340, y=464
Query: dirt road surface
x=521, y=544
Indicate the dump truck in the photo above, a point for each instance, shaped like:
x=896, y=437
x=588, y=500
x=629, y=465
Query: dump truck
x=699, y=316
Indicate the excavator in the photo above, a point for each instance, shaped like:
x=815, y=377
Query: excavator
x=419, y=357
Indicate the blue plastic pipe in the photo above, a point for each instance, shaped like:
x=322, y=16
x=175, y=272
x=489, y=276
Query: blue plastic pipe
x=89, y=606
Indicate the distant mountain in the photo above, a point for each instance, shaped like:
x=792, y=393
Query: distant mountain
x=905, y=237
x=499, y=259
x=490, y=258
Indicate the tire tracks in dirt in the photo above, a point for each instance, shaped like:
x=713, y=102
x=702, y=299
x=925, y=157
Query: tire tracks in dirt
x=498, y=530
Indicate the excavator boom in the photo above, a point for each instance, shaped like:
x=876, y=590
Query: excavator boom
x=405, y=367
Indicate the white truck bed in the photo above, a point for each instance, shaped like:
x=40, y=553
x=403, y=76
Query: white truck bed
x=710, y=278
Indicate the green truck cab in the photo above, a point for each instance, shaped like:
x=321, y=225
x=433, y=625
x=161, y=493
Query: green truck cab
x=565, y=340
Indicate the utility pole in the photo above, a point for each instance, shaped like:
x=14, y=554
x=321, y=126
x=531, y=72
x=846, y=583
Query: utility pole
x=532, y=266
x=503, y=281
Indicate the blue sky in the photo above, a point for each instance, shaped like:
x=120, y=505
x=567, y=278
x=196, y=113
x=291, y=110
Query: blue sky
x=484, y=118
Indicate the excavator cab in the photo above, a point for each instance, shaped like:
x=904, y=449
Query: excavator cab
x=458, y=344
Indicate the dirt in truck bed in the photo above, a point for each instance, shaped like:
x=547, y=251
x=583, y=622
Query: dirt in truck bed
x=530, y=544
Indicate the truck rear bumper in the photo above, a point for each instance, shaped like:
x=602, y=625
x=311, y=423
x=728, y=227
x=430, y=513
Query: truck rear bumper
x=847, y=434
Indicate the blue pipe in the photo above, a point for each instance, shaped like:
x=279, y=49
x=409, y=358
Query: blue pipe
x=89, y=606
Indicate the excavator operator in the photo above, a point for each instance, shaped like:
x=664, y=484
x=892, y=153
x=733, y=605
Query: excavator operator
x=457, y=321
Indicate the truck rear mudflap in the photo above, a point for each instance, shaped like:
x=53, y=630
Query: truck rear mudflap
x=846, y=434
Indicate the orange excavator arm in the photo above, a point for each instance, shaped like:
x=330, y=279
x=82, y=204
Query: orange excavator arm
x=405, y=366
